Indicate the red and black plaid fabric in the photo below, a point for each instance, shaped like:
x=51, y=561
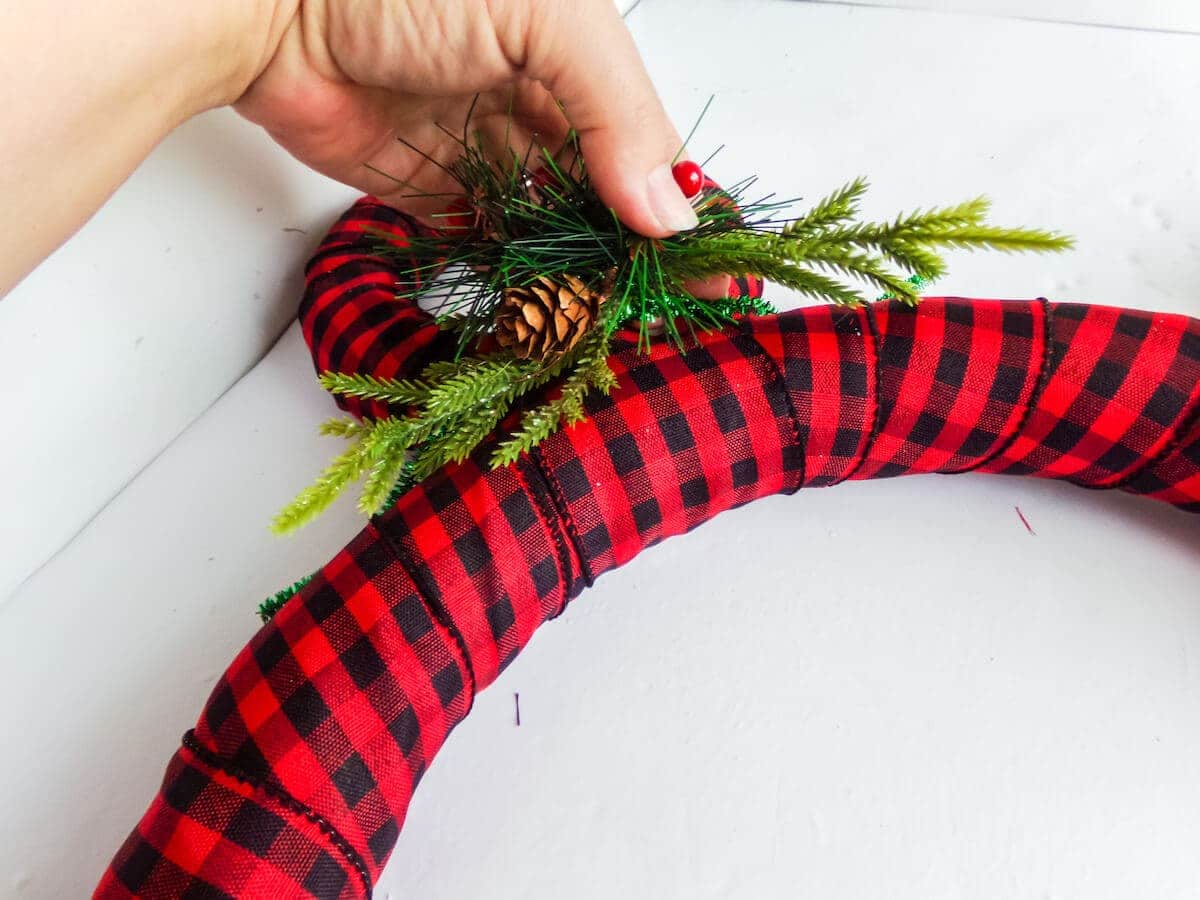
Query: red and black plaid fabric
x=296, y=779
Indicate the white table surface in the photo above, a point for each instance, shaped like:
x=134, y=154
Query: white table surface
x=885, y=690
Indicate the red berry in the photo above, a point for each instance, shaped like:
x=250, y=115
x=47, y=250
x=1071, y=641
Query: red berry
x=458, y=217
x=689, y=177
x=543, y=177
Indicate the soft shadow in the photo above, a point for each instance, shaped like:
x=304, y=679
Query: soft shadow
x=262, y=190
x=1164, y=522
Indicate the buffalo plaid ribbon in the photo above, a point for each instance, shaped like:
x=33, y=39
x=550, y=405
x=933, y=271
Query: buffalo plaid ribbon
x=296, y=778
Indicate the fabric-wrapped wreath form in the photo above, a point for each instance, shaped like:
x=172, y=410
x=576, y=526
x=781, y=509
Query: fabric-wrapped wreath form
x=296, y=778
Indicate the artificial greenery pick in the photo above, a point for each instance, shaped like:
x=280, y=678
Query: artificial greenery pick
x=534, y=241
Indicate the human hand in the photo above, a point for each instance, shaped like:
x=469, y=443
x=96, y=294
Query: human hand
x=349, y=78
x=335, y=82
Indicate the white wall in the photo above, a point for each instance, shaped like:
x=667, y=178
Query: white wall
x=1167, y=15
x=173, y=291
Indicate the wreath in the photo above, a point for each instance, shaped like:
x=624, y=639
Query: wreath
x=489, y=516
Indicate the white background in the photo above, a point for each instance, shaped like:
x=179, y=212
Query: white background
x=885, y=690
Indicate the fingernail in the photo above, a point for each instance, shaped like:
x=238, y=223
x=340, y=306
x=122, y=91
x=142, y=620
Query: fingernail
x=667, y=202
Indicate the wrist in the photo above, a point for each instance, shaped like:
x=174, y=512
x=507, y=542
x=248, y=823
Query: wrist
x=229, y=49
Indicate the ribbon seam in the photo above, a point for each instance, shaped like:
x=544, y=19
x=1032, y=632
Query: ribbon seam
x=780, y=384
x=554, y=516
x=1184, y=426
x=428, y=594
x=287, y=801
x=1034, y=396
x=876, y=341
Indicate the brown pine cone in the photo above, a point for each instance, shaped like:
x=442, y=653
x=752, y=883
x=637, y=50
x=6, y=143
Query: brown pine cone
x=546, y=317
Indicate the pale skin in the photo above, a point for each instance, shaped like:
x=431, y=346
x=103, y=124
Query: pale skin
x=90, y=90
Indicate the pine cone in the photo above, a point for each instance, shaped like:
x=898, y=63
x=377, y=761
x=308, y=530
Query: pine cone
x=546, y=317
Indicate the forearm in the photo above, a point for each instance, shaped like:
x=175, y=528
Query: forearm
x=89, y=89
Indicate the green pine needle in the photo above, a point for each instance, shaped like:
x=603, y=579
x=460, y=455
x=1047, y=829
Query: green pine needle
x=343, y=428
x=838, y=207
x=317, y=497
x=368, y=387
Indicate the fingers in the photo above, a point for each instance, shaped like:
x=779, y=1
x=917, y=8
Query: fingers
x=715, y=287
x=581, y=51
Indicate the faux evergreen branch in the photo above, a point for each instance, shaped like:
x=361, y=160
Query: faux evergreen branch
x=589, y=372
x=534, y=259
x=367, y=387
x=444, y=415
x=811, y=252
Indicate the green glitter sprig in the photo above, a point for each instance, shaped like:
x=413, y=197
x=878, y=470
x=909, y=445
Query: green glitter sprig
x=274, y=603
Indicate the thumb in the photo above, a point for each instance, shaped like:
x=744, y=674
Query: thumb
x=582, y=52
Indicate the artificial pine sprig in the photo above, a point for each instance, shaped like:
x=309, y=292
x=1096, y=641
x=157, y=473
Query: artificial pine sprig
x=590, y=371
x=811, y=252
x=531, y=224
x=453, y=407
x=533, y=218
